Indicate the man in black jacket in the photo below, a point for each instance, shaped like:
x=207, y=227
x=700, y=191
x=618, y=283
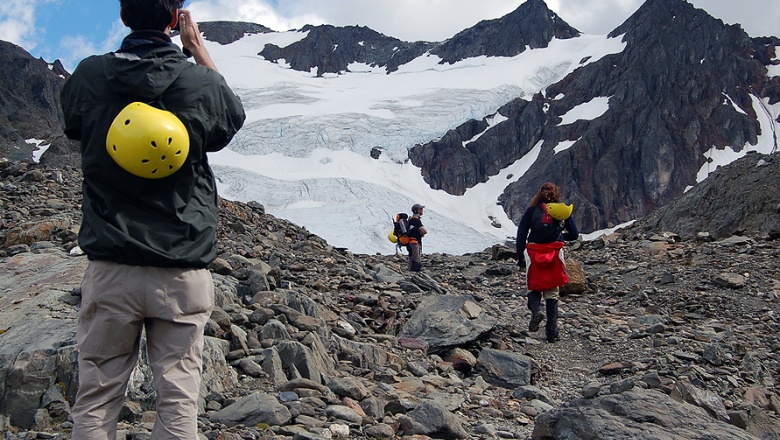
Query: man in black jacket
x=148, y=239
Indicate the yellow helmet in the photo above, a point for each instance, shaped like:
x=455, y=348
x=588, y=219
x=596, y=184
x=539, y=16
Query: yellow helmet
x=559, y=211
x=148, y=142
x=392, y=237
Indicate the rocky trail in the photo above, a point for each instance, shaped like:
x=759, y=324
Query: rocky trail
x=663, y=336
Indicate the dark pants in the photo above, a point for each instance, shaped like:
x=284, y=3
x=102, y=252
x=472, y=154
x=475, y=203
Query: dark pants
x=551, y=306
x=415, y=256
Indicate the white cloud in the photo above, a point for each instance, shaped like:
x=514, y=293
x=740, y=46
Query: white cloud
x=17, y=22
x=255, y=11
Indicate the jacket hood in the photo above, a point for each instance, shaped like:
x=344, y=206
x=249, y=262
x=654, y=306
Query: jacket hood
x=145, y=74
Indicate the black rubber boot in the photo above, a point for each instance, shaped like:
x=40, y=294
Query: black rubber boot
x=552, y=320
x=535, y=305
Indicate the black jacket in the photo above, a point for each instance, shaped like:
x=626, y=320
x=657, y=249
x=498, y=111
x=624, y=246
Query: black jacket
x=168, y=222
x=533, y=230
x=416, y=224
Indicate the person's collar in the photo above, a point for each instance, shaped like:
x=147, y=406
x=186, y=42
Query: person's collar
x=142, y=38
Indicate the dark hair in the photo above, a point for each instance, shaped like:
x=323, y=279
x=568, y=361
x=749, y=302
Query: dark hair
x=148, y=15
x=549, y=192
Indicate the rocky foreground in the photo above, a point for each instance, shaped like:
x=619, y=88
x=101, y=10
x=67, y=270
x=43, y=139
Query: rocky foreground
x=662, y=336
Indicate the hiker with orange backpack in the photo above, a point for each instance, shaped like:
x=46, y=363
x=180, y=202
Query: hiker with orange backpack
x=409, y=231
x=416, y=233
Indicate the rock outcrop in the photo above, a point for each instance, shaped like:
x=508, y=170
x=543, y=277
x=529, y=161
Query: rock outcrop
x=531, y=26
x=30, y=106
x=330, y=49
x=732, y=201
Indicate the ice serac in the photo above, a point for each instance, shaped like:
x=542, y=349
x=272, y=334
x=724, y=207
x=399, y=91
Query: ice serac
x=685, y=84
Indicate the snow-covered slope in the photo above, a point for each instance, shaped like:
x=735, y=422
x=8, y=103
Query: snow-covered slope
x=305, y=152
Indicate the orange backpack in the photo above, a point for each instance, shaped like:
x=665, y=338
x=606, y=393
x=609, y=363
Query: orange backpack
x=401, y=228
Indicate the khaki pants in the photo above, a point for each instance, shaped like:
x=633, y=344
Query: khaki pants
x=173, y=306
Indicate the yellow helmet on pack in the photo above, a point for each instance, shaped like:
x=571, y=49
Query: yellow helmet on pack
x=147, y=142
x=559, y=211
x=392, y=237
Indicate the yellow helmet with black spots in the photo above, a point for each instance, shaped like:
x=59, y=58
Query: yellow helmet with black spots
x=148, y=142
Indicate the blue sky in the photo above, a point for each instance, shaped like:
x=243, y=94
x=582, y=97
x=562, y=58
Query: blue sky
x=69, y=30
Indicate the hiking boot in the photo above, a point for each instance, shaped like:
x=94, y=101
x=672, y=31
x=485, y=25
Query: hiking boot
x=551, y=327
x=535, y=321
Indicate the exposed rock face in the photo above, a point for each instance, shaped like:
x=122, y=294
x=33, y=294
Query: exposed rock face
x=30, y=105
x=741, y=198
x=226, y=32
x=532, y=25
x=667, y=108
x=446, y=164
x=330, y=49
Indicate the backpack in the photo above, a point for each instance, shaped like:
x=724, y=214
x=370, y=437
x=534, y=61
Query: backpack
x=401, y=228
x=545, y=228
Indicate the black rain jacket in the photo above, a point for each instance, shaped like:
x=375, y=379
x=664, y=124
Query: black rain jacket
x=168, y=222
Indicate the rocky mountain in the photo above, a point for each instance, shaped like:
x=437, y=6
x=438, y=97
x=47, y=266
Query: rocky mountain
x=532, y=25
x=226, y=32
x=685, y=85
x=664, y=334
x=330, y=49
x=30, y=105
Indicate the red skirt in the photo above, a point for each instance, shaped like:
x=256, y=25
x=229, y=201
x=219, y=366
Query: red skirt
x=547, y=269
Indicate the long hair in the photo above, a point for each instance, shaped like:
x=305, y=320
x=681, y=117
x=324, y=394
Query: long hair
x=149, y=15
x=548, y=193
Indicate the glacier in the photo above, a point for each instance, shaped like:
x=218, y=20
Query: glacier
x=305, y=152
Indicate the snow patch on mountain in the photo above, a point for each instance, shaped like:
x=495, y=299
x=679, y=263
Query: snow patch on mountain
x=767, y=141
x=305, y=151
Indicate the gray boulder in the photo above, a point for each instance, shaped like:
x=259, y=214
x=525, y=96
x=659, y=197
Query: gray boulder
x=448, y=321
x=252, y=410
x=505, y=368
x=633, y=415
x=432, y=419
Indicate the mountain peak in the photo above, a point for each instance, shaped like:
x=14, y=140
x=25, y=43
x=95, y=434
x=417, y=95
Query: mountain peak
x=532, y=25
x=664, y=14
x=226, y=32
